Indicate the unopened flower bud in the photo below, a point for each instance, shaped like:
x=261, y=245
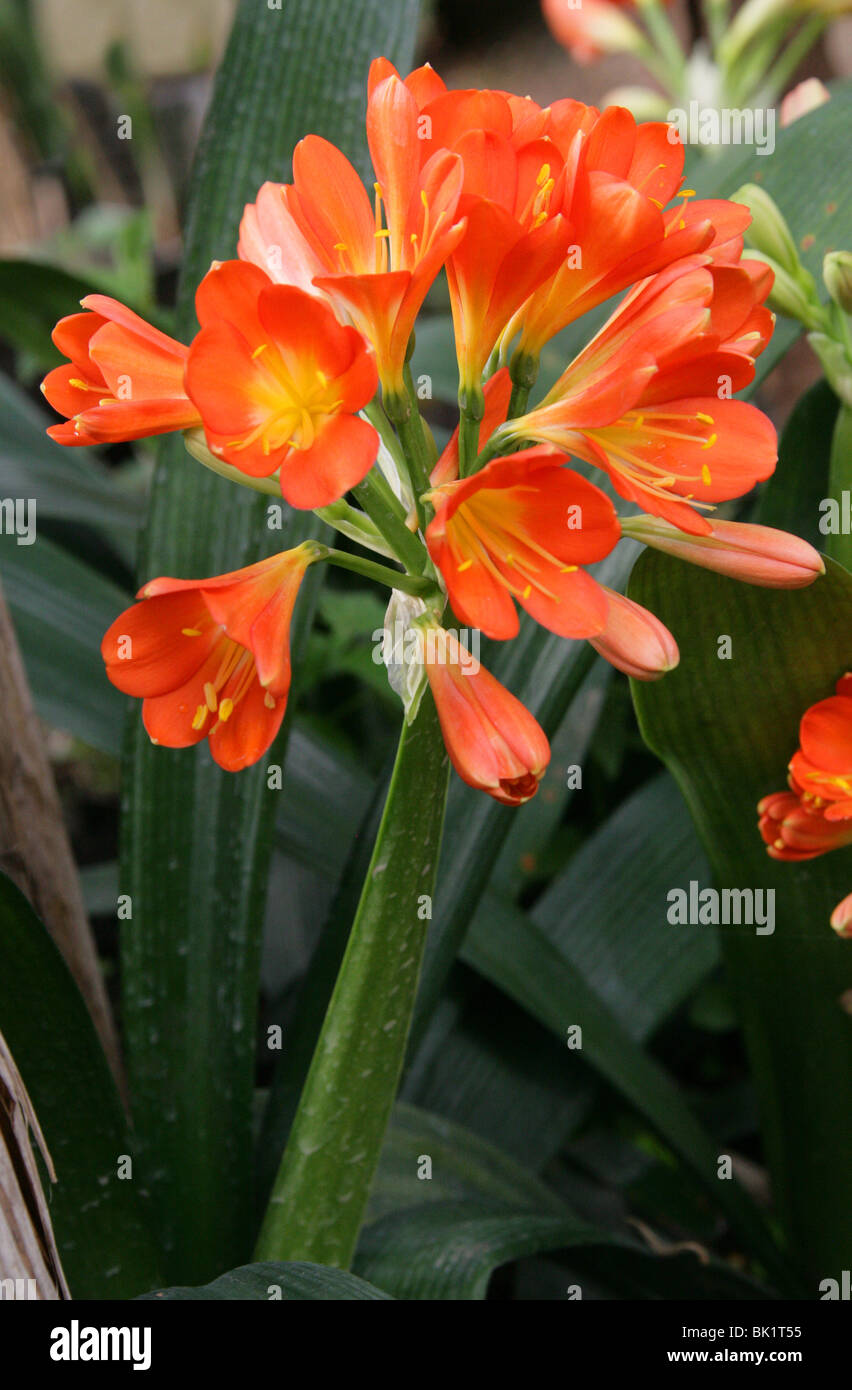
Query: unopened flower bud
x=635, y=641
x=757, y=554
x=769, y=231
x=837, y=274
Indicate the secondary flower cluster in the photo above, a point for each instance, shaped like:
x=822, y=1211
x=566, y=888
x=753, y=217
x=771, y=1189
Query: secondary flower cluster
x=815, y=815
x=299, y=382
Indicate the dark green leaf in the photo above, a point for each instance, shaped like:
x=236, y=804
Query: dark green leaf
x=727, y=729
x=271, y=1282
x=99, y=1218
x=61, y=609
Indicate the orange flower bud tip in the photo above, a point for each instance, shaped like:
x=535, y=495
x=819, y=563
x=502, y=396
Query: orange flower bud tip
x=841, y=917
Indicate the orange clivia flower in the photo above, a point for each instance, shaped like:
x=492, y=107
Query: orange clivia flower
x=633, y=402
x=374, y=258
x=278, y=381
x=493, y=741
x=125, y=379
x=815, y=816
x=564, y=207
x=210, y=658
x=520, y=530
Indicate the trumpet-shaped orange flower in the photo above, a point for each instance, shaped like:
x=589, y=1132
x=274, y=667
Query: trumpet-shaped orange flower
x=374, y=259
x=815, y=816
x=520, y=530
x=210, y=658
x=125, y=379
x=539, y=179
x=632, y=402
x=493, y=741
x=278, y=381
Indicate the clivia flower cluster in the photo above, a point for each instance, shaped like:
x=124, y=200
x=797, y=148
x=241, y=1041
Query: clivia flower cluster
x=299, y=383
x=815, y=815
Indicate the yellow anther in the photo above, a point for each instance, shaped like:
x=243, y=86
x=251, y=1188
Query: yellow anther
x=568, y=569
x=543, y=175
x=211, y=697
x=706, y=476
x=465, y=565
x=191, y=631
x=383, y=231
x=269, y=700
x=81, y=385
x=424, y=200
x=681, y=226
x=686, y=193
x=656, y=202
x=340, y=246
x=705, y=419
x=527, y=591
x=708, y=443
x=259, y=350
x=226, y=709
x=199, y=718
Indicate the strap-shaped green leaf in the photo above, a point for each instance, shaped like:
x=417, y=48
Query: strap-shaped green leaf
x=273, y=1282
x=99, y=1217
x=196, y=840
x=727, y=729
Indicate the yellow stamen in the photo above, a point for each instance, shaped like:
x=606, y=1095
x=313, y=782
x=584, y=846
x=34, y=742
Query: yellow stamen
x=259, y=350
x=226, y=709
x=708, y=443
x=706, y=476
x=705, y=419
x=81, y=385
x=211, y=696
x=191, y=631
x=465, y=565
x=199, y=718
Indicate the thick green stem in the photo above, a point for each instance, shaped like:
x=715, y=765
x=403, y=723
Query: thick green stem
x=395, y=579
x=321, y=1191
x=384, y=508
